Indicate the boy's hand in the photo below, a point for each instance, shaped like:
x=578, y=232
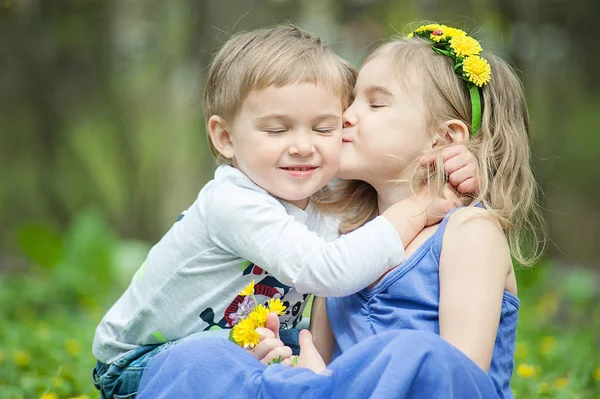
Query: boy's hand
x=270, y=346
x=461, y=167
x=412, y=214
x=434, y=207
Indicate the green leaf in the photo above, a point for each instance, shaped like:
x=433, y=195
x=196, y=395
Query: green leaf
x=276, y=360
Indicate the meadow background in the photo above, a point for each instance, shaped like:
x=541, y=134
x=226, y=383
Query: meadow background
x=102, y=145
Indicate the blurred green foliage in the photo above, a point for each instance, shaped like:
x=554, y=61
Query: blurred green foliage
x=53, y=312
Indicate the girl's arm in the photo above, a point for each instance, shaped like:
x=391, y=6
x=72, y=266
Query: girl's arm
x=474, y=266
x=321, y=330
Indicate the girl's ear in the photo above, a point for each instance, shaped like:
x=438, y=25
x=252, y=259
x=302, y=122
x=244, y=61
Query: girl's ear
x=220, y=137
x=451, y=132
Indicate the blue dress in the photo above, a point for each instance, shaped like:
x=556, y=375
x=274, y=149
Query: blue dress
x=387, y=346
x=408, y=298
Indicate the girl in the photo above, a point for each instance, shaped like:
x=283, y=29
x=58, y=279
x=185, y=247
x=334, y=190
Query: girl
x=442, y=324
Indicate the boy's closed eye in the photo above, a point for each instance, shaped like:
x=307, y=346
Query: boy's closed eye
x=275, y=130
x=325, y=130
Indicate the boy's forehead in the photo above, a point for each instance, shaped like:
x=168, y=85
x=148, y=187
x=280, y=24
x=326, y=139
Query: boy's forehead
x=295, y=94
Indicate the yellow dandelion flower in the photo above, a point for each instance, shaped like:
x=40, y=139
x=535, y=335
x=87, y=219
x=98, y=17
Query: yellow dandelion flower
x=477, y=69
x=437, y=36
x=249, y=290
x=276, y=306
x=453, y=32
x=411, y=34
x=72, y=347
x=465, y=46
x=49, y=395
x=244, y=333
x=79, y=397
x=428, y=27
x=259, y=316
x=444, y=32
x=560, y=383
x=597, y=374
x=547, y=345
x=526, y=370
x=22, y=358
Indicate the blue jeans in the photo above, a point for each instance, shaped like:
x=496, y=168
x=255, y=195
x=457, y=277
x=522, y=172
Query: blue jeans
x=121, y=378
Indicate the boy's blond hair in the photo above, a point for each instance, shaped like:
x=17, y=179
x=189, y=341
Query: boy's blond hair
x=277, y=56
x=507, y=185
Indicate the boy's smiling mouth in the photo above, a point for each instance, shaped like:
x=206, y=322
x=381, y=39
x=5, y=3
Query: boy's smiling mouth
x=301, y=171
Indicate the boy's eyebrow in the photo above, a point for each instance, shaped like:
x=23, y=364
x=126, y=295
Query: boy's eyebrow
x=324, y=117
x=270, y=117
x=287, y=118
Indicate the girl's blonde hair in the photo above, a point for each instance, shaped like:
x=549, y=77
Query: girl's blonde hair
x=277, y=56
x=507, y=185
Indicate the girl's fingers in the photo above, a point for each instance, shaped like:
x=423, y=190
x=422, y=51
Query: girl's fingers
x=272, y=323
x=265, y=333
x=267, y=345
x=281, y=353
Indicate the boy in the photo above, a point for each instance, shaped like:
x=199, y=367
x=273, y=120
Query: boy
x=273, y=102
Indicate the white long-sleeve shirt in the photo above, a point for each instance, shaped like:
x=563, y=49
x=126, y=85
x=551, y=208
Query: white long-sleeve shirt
x=235, y=232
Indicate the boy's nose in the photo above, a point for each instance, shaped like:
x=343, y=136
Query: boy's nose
x=302, y=147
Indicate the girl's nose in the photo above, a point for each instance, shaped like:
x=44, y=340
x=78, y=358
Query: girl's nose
x=349, y=118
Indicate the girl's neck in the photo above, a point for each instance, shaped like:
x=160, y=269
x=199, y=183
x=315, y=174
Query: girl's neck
x=390, y=193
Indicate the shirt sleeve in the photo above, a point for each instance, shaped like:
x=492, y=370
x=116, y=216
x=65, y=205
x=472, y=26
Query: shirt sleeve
x=255, y=226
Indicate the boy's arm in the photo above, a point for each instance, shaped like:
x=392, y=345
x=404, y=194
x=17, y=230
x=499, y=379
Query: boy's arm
x=320, y=329
x=256, y=227
x=474, y=266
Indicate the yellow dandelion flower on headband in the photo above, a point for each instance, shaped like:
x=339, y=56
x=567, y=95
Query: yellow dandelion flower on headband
x=477, y=70
x=249, y=290
x=430, y=27
x=276, y=306
x=468, y=64
x=465, y=46
x=444, y=33
x=453, y=32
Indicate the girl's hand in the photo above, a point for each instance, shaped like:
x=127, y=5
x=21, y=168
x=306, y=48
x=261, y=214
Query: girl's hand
x=309, y=355
x=461, y=166
x=270, y=346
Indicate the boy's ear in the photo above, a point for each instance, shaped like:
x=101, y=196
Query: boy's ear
x=451, y=132
x=219, y=135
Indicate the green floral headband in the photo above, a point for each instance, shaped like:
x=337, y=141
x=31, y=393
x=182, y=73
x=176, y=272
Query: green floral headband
x=468, y=63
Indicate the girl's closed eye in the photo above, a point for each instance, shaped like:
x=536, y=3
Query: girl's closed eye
x=376, y=105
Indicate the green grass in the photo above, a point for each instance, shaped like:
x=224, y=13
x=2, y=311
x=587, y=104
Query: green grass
x=50, y=313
